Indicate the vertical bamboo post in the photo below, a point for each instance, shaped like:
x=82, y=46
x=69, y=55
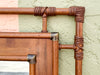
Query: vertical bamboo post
x=44, y=23
x=55, y=53
x=55, y=57
x=78, y=12
x=32, y=61
x=32, y=69
x=78, y=50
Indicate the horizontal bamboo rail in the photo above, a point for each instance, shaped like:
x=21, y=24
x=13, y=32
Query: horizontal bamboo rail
x=66, y=46
x=30, y=11
x=31, y=58
x=13, y=58
x=24, y=35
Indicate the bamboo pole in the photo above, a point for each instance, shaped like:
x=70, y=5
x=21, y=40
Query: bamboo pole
x=24, y=35
x=66, y=46
x=30, y=11
x=13, y=58
x=31, y=69
x=55, y=57
x=79, y=50
x=44, y=23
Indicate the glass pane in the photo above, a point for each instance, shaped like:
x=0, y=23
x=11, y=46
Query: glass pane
x=14, y=68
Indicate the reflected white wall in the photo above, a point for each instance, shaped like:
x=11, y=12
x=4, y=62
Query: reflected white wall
x=14, y=66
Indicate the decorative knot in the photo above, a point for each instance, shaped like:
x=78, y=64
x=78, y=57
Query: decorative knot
x=79, y=43
x=49, y=11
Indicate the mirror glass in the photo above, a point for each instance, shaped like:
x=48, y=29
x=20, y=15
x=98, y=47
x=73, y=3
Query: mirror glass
x=14, y=68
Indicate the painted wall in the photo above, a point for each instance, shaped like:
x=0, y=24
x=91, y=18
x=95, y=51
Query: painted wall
x=9, y=23
x=65, y=25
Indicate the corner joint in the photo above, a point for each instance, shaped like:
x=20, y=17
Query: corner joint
x=54, y=36
x=77, y=11
x=31, y=58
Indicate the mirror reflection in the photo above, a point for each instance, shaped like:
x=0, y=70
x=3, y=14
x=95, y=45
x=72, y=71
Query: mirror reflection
x=14, y=68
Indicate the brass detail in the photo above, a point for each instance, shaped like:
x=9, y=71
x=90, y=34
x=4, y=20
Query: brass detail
x=54, y=36
x=31, y=58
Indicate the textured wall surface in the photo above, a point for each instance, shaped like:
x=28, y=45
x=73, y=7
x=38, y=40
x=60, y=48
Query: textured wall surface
x=65, y=25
